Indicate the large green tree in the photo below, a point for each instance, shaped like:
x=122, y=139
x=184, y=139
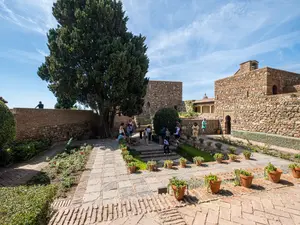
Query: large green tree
x=64, y=103
x=95, y=59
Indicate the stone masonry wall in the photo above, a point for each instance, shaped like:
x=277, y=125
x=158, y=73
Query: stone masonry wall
x=56, y=124
x=212, y=126
x=161, y=94
x=245, y=98
x=284, y=80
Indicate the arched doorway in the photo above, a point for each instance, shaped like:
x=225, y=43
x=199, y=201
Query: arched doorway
x=148, y=108
x=228, y=125
x=274, y=90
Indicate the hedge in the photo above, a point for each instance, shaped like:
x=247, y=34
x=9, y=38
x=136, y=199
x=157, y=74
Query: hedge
x=18, y=151
x=7, y=125
x=165, y=117
x=24, y=205
x=271, y=139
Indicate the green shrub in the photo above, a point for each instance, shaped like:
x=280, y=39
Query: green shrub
x=218, y=156
x=26, y=205
x=7, y=125
x=165, y=117
x=24, y=150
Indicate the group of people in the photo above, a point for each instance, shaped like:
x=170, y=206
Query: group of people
x=166, y=137
x=126, y=132
x=195, y=128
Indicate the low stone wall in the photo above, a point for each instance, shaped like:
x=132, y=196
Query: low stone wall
x=272, y=139
x=55, y=124
x=212, y=125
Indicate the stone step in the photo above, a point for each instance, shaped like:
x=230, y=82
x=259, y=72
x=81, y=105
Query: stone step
x=157, y=155
x=153, y=152
x=164, y=157
x=95, y=214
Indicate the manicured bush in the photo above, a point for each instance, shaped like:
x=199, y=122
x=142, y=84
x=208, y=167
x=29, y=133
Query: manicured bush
x=165, y=117
x=26, y=204
x=7, y=125
x=24, y=150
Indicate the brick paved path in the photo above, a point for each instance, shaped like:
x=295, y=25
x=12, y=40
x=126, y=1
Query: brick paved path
x=277, y=206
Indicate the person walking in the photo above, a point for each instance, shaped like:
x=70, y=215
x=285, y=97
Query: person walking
x=166, y=146
x=204, y=125
x=177, y=134
x=146, y=136
x=149, y=131
x=168, y=134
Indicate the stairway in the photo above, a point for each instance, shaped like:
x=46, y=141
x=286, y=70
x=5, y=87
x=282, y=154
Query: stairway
x=155, y=152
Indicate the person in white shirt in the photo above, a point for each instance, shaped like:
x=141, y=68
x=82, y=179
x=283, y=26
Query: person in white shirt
x=177, y=133
x=146, y=136
x=166, y=146
x=149, y=131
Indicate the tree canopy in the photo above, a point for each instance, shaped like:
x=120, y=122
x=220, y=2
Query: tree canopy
x=63, y=103
x=95, y=60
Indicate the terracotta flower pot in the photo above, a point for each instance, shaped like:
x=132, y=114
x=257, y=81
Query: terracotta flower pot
x=274, y=176
x=151, y=167
x=246, y=181
x=178, y=193
x=215, y=186
x=132, y=169
x=198, y=163
x=296, y=172
x=219, y=160
x=170, y=165
x=182, y=164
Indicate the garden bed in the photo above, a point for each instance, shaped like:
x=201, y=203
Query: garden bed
x=189, y=152
x=140, y=164
x=26, y=205
x=63, y=170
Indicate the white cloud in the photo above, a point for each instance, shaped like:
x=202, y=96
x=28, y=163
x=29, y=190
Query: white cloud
x=31, y=15
x=23, y=56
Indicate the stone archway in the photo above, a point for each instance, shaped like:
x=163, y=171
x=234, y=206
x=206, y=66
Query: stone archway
x=228, y=124
x=274, y=90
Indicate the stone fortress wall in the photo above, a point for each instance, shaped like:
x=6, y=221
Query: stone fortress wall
x=260, y=100
x=160, y=94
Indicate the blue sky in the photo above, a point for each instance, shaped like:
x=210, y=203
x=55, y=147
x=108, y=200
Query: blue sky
x=192, y=41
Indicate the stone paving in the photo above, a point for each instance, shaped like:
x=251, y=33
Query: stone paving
x=240, y=206
x=108, y=180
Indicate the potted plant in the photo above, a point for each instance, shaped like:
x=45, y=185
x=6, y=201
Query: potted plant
x=218, y=145
x=125, y=153
x=232, y=157
x=295, y=167
x=247, y=154
x=213, y=182
x=182, y=162
x=218, y=157
x=198, y=160
x=246, y=178
x=151, y=165
x=274, y=173
x=131, y=167
x=168, y=164
x=232, y=150
x=128, y=158
x=179, y=187
x=218, y=131
x=208, y=143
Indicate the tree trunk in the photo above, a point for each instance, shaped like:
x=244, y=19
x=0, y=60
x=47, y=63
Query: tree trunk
x=104, y=131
